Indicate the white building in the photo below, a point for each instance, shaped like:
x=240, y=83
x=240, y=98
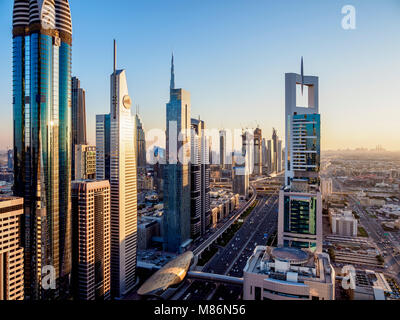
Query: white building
x=326, y=187
x=123, y=187
x=288, y=274
x=343, y=223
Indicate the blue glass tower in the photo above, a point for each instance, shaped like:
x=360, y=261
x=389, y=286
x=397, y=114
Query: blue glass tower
x=42, y=39
x=177, y=170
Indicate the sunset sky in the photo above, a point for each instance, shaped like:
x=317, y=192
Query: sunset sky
x=232, y=56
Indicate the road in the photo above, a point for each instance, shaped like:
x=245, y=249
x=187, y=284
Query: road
x=232, y=258
x=376, y=232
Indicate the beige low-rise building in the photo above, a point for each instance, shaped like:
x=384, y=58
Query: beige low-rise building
x=285, y=273
x=343, y=223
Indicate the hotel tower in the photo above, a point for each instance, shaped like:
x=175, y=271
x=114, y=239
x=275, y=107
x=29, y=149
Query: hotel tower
x=42, y=39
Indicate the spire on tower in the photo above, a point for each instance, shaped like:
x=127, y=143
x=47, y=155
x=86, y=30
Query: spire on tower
x=172, y=84
x=115, y=56
x=302, y=75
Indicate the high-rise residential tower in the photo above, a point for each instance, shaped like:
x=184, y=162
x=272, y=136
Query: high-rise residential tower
x=103, y=136
x=257, y=152
x=269, y=156
x=91, y=277
x=78, y=116
x=279, y=156
x=300, y=203
x=123, y=182
x=42, y=42
x=177, y=170
x=242, y=166
x=11, y=253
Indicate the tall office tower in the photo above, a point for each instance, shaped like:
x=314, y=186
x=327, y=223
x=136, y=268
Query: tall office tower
x=279, y=156
x=269, y=156
x=177, y=170
x=274, y=151
x=222, y=148
x=300, y=203
x=264, y=152
x=257, y=152
x=42, y=42
x=242, y=168
x=103, y=135
x=78, y=115
x=91, y=279
x=123, y=182
x=85, y=162
x=11, y=253
x=140, y=145
x=10, y=159
x=200, y=177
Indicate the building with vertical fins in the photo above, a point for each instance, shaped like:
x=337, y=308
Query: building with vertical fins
x=11, y=252
x=103, y=136
x=123, y=183
x=274, y=151
x=92, y=240
x=42, y=42
x=269, y=156
x=78, y=116
x=300, y=201
x=177, y=170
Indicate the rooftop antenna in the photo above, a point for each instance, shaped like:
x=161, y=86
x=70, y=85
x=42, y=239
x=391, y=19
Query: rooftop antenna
x=302, y=75
x=115, y=56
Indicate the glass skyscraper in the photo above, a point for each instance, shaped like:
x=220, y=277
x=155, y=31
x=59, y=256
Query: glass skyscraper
x=42, y=40
x=177, y=170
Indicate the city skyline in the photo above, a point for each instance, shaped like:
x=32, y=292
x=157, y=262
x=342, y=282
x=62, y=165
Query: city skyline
x=226, y=74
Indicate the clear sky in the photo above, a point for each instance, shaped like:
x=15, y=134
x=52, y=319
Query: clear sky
x=232, y=56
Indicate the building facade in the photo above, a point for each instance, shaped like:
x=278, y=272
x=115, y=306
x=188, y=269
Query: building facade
x=300, y=201
x=103, y=136
x=177, y=170
x=222, y=148
x=257, y=152
x=85, y=162
x=11, y=252
x=78, y=115
x=123, y=184
x=91, y=273
x=140, y=145
x=42, y=43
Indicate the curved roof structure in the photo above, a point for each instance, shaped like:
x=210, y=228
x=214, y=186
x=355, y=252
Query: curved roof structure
x=46, y=15
x=290, y=254
x=172, y=273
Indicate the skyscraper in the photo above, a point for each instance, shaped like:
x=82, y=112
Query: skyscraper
x=269, y=156
x=42, y=42
x=11, y=253
x=279, y=156
x=91, y=245
x=242, y=167
x=257, y=152
x=177, y=171
x=200, y=179
x=78, y=115
x=300, y=203
x=274, y=151
x=140, y=145
x=123, y=182
x=222, y=148
x=103, y=136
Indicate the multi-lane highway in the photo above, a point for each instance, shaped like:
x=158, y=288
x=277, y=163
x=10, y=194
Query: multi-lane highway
x=231, y=259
